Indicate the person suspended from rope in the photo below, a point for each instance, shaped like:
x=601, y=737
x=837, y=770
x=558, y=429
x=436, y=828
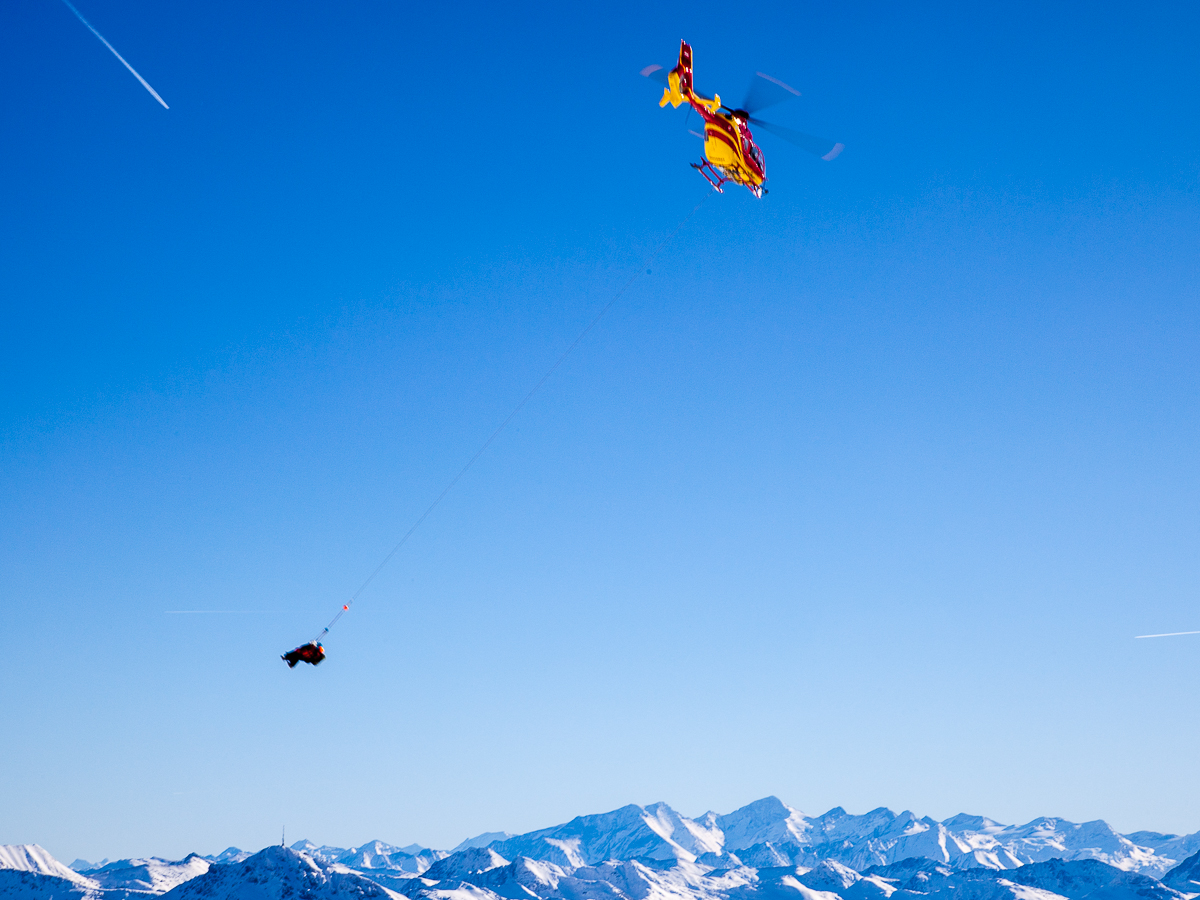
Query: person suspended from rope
x=311, y=653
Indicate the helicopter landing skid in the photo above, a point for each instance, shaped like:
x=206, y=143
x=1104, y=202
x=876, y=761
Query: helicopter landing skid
x=711, y=175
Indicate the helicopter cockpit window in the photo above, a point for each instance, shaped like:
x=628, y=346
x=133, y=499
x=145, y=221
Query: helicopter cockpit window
x=755, y=154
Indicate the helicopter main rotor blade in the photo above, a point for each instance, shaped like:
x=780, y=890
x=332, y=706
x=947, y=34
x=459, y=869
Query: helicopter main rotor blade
x=766, y=91
x=655, y=73
x=826, y=149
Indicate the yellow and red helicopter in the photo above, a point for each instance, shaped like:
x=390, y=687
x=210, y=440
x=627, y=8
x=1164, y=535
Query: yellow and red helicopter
x=730, y=153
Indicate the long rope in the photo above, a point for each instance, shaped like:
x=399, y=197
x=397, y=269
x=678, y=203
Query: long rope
x=512, y=415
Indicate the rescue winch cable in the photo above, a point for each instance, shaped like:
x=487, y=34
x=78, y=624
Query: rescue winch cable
x=512, y=415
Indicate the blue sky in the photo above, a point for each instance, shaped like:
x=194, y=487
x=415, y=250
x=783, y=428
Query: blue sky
x=858, y=498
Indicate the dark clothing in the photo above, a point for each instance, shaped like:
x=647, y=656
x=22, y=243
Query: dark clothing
x=311, y=653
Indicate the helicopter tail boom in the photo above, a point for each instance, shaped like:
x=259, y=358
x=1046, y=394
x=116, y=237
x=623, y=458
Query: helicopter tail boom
x=679, y=79
x=679, y=84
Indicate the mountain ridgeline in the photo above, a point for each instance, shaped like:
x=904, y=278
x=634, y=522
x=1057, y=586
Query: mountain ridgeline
x=763, y=851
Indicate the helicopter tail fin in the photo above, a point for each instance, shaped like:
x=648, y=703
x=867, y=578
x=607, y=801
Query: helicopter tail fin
x=679, y=79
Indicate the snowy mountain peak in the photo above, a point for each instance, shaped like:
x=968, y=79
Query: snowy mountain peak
x=465, y=863
x=768, y=820
x=152, y=874
x=765, y=850
x=371, y=855
x=691, y=838
x=482, y=840
x=32, y=858
x=280, y=873
x=324, y=853
x=973, y=824
x=831, y=876
x=229, y=855
x=628, y=833
x=82, y=865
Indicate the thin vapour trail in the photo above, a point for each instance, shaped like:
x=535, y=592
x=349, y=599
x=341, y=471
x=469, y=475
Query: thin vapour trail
x=92, y=28
x=1168, y=634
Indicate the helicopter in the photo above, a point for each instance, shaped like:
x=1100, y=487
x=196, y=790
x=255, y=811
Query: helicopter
x=730, y=153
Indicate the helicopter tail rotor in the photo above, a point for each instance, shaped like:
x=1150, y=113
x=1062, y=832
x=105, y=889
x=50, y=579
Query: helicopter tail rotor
x=655, y=72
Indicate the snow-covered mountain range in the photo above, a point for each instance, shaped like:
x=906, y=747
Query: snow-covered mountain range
x=763, y=851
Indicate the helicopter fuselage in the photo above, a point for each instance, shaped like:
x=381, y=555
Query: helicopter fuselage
x=729, y=148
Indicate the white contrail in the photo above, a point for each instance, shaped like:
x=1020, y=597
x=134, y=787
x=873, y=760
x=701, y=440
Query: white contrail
x=145, y=83
x=1168, y=634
